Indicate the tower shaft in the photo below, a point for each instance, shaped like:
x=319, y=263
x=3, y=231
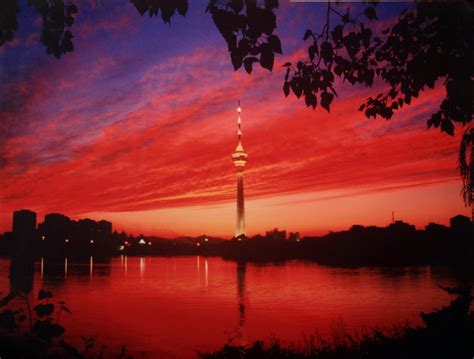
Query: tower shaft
x=240, y=225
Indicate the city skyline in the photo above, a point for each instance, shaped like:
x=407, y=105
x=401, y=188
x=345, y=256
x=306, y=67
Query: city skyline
x=26, y=221
x=125, y=147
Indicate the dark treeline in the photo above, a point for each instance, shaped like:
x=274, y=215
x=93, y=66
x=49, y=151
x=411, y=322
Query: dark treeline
x=398, y=244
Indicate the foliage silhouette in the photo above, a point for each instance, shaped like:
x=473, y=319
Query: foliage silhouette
x=428, y=42
x=45, y=326
x=247, y=27
x=167, y=8
x=466, y=168
x=41, y=339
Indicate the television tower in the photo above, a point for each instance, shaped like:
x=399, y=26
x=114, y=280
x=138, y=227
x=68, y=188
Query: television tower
x=239, y=157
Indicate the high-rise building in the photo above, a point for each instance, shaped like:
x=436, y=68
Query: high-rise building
x=24, y=222
x=24, y=229
x=239, y=157
x=55, y=230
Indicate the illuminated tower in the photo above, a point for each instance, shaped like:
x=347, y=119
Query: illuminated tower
x=239, y=157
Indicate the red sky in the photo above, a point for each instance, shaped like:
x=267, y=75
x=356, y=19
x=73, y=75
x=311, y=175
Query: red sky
x=139, y=129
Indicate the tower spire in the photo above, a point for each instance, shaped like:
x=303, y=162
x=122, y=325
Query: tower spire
x=239, y=123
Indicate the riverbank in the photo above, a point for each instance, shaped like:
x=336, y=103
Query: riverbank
x=447, y=333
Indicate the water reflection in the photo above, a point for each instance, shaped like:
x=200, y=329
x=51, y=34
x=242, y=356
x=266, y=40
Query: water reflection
x=206, y=273
x=198, y=270
x=142, y=267
x=21, y=275
x=286, y=300
x=241, y=268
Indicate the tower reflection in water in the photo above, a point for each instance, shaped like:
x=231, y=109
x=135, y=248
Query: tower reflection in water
x=241, y=294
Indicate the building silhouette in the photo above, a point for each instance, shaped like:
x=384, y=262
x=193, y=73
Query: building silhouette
x=401, y=228
x=58, y=233
x=24, y=229
x=239, y=157
x=294, y=236
x=461, y=225
x=275, y=234
x=22, y=255
x=55, y=230
x=24, y=222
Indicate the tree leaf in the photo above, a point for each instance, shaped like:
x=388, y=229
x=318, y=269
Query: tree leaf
x=248, y=62
x=236, y=58
x=447, y=126
x=66, y=309
x=326, y=51
x=267, y=57
x=275, y=44
x=312, y=51
x=8, y=298
x=44, y=310
x=310, y=100
x=47, y=330
x=337, y=33
x=370, y=13
x=286, y=88
x=44, y=294
x=326, y=99
x=71, y=9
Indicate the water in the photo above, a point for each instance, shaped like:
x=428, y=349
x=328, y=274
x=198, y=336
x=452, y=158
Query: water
x=170, y=307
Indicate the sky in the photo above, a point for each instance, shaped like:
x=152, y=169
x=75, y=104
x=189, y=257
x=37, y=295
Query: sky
x=138, y=124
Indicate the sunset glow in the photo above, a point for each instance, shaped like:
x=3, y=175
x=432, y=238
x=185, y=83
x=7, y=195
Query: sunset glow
x=137, y=126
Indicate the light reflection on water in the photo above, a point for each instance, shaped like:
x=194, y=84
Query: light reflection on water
x=173, y=306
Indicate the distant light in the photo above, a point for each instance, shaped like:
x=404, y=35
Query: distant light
x=239, y=109
x=198, y=244
x=92, y=241
x=149, y=243
x=126, y=242
x=297, y=239
x=66, y=240
x=239, y=239
x=206, y=239
x=141, y=241
x=121, y=248
x=43, y=238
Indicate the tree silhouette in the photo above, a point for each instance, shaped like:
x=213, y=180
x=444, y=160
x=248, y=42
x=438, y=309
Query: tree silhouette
x=57, y=16
x=429, y=43
x=466, y=168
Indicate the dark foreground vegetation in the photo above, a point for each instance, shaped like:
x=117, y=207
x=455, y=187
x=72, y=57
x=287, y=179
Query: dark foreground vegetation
x=447, y=333
x=31, y=329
